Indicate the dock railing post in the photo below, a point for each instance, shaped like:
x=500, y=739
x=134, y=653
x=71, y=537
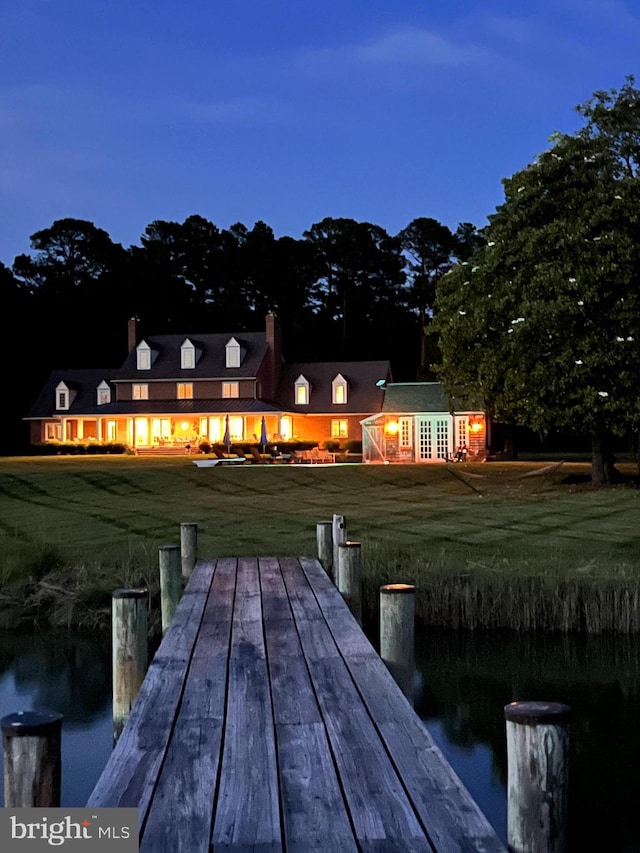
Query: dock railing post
x=338, y=535
x=32, y=759
x=397, y=633
x=537, y=776
x=188, y=547
x=170, y=583
x=324, y=539
x=350, y=576
x=129, y=642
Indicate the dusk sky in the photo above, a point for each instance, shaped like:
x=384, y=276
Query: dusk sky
x=287, y=111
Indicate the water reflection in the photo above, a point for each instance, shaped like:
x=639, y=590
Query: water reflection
x=465, y=681
x=71, y=675
x=468, y=678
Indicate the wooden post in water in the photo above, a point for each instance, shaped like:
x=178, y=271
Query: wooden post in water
x=188, y=547
x=397, y=633
x=537, y=771
x=32, y=759
x=338, y=535
x=129, y=644
x=324, y=538
x=170, y=583
x=350, y=576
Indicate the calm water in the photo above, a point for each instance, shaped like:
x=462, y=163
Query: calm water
x=467, y=679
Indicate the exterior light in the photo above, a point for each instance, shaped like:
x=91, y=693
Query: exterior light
x=391, y=427
x=476, y=426
x=185, y=425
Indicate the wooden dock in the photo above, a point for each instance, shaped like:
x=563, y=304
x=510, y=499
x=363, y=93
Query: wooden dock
x=267, y=722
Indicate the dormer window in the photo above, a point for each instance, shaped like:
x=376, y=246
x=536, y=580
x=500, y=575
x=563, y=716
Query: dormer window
x=187, y=355
x=104, y=393
x=233, y=353
x=301, y=391
x=63, y=396
x=339, y=390
x=143, y=356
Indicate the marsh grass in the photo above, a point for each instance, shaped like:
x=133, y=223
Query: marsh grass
x=523, y=554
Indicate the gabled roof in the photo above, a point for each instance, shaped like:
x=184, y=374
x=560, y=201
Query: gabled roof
x=83, y=382
x=210, y=365
x=415, y=397
x=363, y=395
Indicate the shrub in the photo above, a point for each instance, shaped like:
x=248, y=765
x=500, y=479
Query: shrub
x=353, y=446
x=332, y=446
x=204, y=447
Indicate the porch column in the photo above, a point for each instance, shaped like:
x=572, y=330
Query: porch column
x=99, y=429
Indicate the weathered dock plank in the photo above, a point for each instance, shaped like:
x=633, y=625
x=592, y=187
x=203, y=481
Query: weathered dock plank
x=267, y=722
x=247, y=810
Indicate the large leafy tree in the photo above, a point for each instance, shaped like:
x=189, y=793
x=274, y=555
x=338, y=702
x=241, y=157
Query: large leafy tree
x=544, y=320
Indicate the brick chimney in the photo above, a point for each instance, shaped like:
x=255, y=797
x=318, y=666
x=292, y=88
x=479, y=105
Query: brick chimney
x=274, y=354
x=132, y=338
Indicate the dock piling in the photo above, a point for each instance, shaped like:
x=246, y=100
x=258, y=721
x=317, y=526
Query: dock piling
x=350, y=576
x=170, y=582
x=397, y=633
x=324, y=539
x=32, y=759
x=339, y=535
x=188, y=547
x=537, y=771
x=129, y=651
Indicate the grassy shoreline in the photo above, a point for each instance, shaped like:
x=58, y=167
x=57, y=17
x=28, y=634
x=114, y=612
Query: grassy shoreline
x=485, y=548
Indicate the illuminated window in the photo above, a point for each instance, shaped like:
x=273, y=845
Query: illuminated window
x=185, y=390
x=53, y=432
x=140, y=392
x=301, y=391
x=286, y=428
x=230, y=389
x=339, y=429
x=112, y=431
x=339, y=389
x=104, y=394
x=405, y=432
x=236, y=428
x=215, y=430
x=143, y=356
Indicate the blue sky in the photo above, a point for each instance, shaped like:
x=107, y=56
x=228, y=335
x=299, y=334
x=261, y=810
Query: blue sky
x=287, y=111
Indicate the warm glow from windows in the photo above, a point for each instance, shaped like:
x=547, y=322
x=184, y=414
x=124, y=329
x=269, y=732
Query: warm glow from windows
x=339, y=390
x=339, y=429
x=236, y=428
x=391, y=427
x=286, y=428
x=185, y=390
x=140, y=392
x=301, y=391
x=230, y=389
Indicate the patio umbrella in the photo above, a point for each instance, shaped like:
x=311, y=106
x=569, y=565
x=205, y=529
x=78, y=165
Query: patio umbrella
x=264, y=438
x=227, y=435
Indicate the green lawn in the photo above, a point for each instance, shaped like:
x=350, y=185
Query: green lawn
x=107, y=517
